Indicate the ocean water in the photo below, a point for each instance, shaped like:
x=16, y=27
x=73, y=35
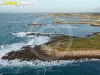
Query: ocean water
x=13, y=30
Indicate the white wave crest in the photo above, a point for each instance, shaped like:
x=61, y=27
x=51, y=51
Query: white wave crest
x=38, y=40
x=20, y=34
x=35, y=63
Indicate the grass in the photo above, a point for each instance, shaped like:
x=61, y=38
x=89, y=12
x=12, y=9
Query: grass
x=59, y=45
x=92, y=43
x=87, y=43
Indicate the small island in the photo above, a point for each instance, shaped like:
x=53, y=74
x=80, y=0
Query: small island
x=35, y=24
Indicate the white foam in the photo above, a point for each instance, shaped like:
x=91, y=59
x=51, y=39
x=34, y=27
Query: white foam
x=23, y=34
x=19, y=34
x=38, y=40
x=37, y=63
x=41, y=40
x=7, y=48
x=34, y=41
x=14, y=47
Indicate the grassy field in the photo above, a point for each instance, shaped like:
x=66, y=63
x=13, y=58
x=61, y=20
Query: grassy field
x=91, y=43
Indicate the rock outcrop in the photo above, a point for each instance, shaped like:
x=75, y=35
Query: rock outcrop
x=34, y=24
x=41, y=52
x=95, y=24
x=47, y=52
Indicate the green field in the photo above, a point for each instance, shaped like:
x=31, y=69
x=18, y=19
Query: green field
x=91, y=43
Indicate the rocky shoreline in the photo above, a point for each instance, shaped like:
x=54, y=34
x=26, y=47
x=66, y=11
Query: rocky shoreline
x=95, y=24
x=92, y=16
x=76, y=22
x=37, y=53
x=43, y=34
x=46, y=53
x=69, y=22
x=93, y=35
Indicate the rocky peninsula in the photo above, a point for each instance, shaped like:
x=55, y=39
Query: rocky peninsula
x=57, y=49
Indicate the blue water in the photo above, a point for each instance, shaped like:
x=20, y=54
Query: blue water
x=79, y=68
x=10, y=23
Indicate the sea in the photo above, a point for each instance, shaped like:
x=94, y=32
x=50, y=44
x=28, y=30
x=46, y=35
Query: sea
x=13, y=30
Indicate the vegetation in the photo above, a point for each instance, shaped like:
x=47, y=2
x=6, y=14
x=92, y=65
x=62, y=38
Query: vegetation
x=87, y=43
x=91, y=43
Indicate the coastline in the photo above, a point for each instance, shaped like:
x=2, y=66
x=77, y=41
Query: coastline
x=75, y=22
x=47, y=52
x=93, y=18
x=57, y=47
x=44, y=54
x=69, y=22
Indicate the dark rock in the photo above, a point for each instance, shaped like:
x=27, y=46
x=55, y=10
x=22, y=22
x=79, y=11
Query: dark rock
x=1, y=65
x=24, y=54
x=28, y=53
x=93, y=34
